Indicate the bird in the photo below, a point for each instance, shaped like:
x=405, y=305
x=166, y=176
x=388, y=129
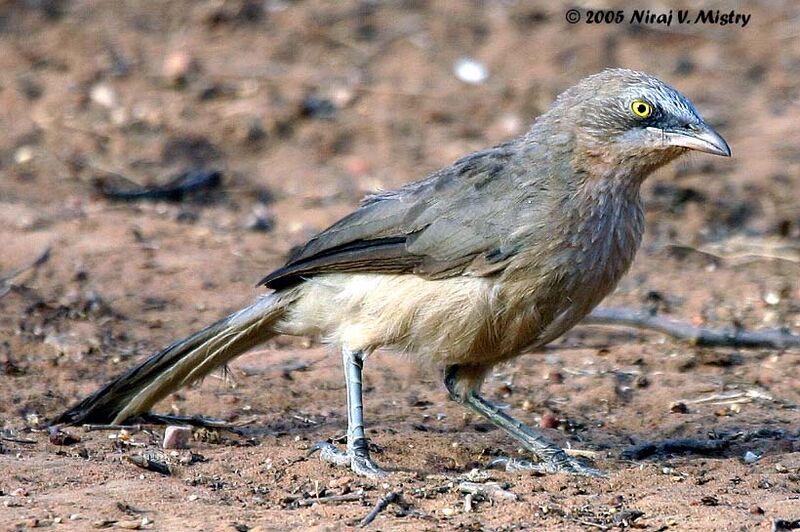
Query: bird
x=491, y=257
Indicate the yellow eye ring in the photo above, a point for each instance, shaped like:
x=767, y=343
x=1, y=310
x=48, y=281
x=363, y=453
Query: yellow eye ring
x=641, y=108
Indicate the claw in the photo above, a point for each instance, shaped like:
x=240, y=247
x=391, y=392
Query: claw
x=330, y=453
x=361, y=465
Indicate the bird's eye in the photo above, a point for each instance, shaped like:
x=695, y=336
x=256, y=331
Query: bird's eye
x=641, y=108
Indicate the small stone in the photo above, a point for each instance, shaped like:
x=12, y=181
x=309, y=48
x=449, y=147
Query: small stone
x=756, y=509
x=24, y=154
x=60, y=437
x=750, y=457
x=262, y=223
x=177, y=67
x=104, y=95
x=772, y=298
x=470, y=71
x=448, y=512
x=548, y=421
x=74, y=517
x=177, y=437
x=193, y=497
x=339, y=482
x=130, y=525
x=507, y=125
x=357, y=166
x=678, y=408
x=468, y=503
x=555, y=376
x=315, y=107
x=19, y=492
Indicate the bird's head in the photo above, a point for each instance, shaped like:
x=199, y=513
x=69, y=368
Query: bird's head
x=627, y=122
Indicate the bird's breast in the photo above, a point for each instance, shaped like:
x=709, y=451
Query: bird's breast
x=559, y=280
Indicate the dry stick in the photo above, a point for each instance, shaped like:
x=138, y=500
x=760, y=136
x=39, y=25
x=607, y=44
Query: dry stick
x=347, y=497
x=16, y=440
x=5, y=279
x=88, y=427
x=380, y=506
x=700, y=336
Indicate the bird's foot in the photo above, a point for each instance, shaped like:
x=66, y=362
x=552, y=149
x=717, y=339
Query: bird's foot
x=560, y=463
x=359, y=461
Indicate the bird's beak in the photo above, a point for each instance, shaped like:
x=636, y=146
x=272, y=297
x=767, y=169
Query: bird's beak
x=700, y=137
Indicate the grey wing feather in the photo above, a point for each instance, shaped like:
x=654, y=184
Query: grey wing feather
x=426, y=228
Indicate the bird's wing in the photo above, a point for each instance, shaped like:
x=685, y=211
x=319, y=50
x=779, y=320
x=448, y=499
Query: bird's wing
x=428, y=228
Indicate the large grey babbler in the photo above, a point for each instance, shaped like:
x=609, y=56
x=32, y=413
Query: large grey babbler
x=495, y=255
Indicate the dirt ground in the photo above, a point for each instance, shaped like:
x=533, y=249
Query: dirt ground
x=305, y=107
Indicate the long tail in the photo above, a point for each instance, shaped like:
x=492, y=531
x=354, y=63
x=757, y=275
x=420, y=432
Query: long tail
x=185, y=361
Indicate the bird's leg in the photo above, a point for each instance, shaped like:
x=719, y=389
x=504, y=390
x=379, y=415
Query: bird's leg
x=357, y=455
x=552, y=459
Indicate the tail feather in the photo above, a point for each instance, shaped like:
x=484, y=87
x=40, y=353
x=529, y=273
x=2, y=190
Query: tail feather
x=181, y=363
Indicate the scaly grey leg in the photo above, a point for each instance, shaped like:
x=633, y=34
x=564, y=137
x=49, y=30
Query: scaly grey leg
x=553, y=459
x=357, y=455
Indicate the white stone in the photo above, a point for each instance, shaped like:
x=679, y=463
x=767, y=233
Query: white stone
x=177, y=437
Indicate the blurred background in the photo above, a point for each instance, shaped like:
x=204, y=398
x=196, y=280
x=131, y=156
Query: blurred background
x=171, y=153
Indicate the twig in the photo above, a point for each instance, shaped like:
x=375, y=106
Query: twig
x=5, y=279
x=347, y=497
x=12, y=439
x=130, y=428
x=676, y=446
x=581, y=453
x=699, y=336
x=380, y=506
x=195, y=421
x=175, y=190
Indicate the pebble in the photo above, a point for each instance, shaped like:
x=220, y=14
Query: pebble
x=555, y=376
x=508, y=125
x=678, y=408
x=468, y=503
x=177, y=437
x=448, y=512
x=23, y=154
x=750, y=457
x=756, y=509
x=193, y=497
x=339, y=482
x=177, y=67
x=104, y=95
x=357, y=166
x=548, y=421
x=470, y=71
x=262, y=223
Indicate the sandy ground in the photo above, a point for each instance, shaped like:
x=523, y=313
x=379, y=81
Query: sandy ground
x=304, y=107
